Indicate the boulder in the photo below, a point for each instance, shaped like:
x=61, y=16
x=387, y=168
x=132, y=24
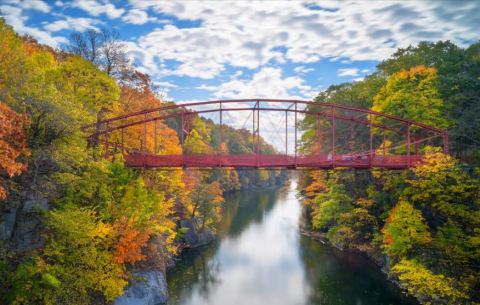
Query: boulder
x=193, y=237
x=149, y=289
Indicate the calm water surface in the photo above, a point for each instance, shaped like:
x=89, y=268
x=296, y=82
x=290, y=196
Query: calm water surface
x=260, y=258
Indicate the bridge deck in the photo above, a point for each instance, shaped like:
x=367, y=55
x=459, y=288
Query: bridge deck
x=271, y=161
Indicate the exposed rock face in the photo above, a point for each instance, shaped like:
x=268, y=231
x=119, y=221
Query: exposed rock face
x=35, y=205
x=193, y=237
x=29, y=225
x=149, y=289
x=7, y=222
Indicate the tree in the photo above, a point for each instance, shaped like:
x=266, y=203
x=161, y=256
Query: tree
x=103, y=48
x=330, y=205
x=427, y=286
x=206, y=198
x=114, y=56
x=76, y=265
x=86, y=45
x=404, y=229
x=317, y=184
x=413, y=94
x=458, y=86
x=443, y=187
x=79, y=248
x=198, y=140
x=13, y=145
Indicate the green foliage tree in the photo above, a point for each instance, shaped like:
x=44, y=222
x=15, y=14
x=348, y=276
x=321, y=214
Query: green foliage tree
x=329, y=206
x=458, y=85
x=404, y=230
x=413, y=95
x=76, y=263
x=427, y=286
x=441, y=185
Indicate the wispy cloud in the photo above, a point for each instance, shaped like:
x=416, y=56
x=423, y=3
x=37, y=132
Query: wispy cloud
x=236, y=47
x=137, y=16
x=303, y=70
x=96, y=8
x=252, y=34
x=348, y=72
x=268, y=82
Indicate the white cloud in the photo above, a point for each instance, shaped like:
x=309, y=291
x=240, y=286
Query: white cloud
x=136, y=16
x=251, y=34
x=36, y=5
x=96, y=8
x=348, y=72
x=166, y=84
x=69, y=23
x=268, y=82
x=303, y=70
x=14, y=16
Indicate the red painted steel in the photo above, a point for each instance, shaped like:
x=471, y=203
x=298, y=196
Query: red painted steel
x=402, y=130
x=269, y=161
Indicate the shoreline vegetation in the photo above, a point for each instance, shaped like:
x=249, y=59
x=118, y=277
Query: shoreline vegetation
x=75, y=228
x=422, y=226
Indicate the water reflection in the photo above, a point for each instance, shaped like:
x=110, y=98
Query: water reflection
x=260, y=258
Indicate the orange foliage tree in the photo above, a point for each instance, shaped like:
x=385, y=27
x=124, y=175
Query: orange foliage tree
x=318, y=184
x=137, y=94
x=130, y=242
x=12, y=143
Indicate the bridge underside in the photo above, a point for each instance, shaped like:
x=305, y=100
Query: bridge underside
x=271, y=161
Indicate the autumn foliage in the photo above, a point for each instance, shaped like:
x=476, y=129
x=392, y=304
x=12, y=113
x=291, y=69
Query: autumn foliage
x=101, y=216
x=130, y=242
x=13, y=144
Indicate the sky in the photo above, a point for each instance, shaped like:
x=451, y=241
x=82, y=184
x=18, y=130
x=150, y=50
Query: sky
x=245, y=49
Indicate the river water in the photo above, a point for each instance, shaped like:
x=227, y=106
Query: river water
x=260, y=258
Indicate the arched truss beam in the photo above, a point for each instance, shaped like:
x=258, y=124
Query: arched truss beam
x=178, y=114
x=302, y=102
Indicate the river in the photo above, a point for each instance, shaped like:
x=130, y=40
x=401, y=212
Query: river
x=260, y=258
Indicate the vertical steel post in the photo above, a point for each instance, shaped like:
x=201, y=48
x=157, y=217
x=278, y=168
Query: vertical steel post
x=220, y=136
x=253, y=130
x=296, y=127
x=145, y=135
x=351, y=144
x=106, y=140
x=408, y=144
x=384, y=144
x=371, y=139
x=286, y=134
x=123, y=142
x=318, y=135
x=416, y=145
x=258, y=133
x=182, y=124
x=182, y=137
x=155, y=138
x=220, y=131
x=333, y=135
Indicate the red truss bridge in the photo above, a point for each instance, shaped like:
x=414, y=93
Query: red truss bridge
x=314, y=135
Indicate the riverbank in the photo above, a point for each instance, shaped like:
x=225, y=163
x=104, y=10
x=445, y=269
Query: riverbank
x=367, y=251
